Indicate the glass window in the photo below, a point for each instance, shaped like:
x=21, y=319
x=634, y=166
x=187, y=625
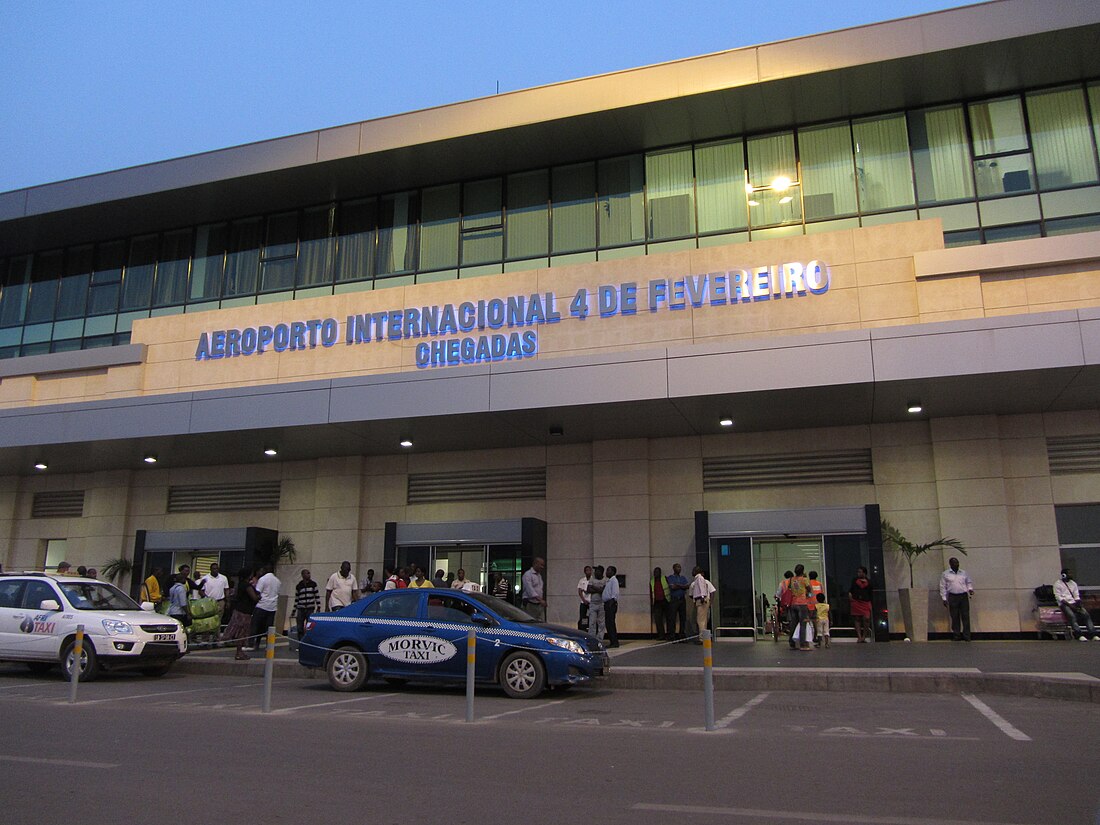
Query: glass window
x=206, y=274
x=1068, y=226
x=883, y=168
x=316, y=247
x=278, y=260
x=47, y=275
x=1061, y=138
x=1094, y=105
x=940, y=155
x=242, y=258
x=528, y=215
x=573, y=207
x=170, y=286
x=404, y=604
x=15, y=286
x=671, y=193
x=355, y=240
x=73, y=298
x=482, y=223
x=720, y=187
x=773, y=174
x=621, y=210
x=997, y=126
x=137, y=286
x=439, y=228
x=828, y=173
x=106, y=277
x=1012, y=233
x=396, y=250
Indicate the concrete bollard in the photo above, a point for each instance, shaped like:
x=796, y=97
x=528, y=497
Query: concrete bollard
x=471, y=651
x=269, y=668
x=78, y=653
x=708, y=679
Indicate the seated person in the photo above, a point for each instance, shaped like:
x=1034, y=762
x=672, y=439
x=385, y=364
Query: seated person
x=1069, y=599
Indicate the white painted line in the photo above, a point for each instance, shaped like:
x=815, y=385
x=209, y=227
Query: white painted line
x=17, y=687
x=737, y=713
x=68, y=763
x=770, y=815
x=520, y=710
x=1005, y=726
x=150, y=695
x=337, y=702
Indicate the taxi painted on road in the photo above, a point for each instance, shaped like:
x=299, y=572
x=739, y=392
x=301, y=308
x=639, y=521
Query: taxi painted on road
x=420, y=634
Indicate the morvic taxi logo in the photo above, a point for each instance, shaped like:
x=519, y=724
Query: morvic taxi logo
x=417, y=649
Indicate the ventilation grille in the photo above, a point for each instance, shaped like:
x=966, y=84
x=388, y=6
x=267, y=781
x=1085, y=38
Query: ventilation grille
x=66, y=504
x=741, y=472
x=477, y=485
x=199, y=498
x=1073, y=454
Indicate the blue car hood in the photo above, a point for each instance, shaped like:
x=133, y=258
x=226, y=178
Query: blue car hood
x=564, y=632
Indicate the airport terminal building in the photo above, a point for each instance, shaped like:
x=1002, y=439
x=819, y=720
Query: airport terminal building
x=732, y=310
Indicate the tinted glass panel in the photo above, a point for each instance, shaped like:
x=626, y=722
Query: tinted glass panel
x=73, y=298
x=317, y=247
x=574, y=208
x=171, y=283
x=44, y=284
x=1061, y=138
x=772, y=166
x=242, y=258
x=528, y=215
x=621, y=210
x=14, y=290
x=671, y=190
x=137, y=287
x=206, y=274
x=482, y=225
x=828, y=173
x=355, y=243
x=277, y=263
x=997, y=126
x=439, y=228
x=396, y=234
x=883, y=170
x=401, y=605
x=720, y=187
x=940, y=155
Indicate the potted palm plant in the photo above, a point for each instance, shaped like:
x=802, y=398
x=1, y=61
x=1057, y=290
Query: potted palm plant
x=914, y=601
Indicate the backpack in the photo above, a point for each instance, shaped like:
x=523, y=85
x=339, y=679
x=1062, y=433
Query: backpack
x=785, y=596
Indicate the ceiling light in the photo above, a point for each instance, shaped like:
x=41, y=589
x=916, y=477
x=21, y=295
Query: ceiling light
x=781, y=183
x=726, y=422
x=786, y=199
x=753, y=203
x=406, y=442
x=41, y=465
x=557, y=431
x=150, y=459
x=915, y=407
x=271, y=451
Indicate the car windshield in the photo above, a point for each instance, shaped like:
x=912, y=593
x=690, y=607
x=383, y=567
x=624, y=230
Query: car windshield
x=501, y=607
x=97, y=596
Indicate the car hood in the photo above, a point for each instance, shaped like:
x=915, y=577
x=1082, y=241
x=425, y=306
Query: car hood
x=564, y=632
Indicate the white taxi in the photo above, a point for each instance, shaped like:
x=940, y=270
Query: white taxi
x=39, y=614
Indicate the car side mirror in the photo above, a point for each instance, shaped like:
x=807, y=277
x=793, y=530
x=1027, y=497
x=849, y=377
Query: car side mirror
x=481, y=619
x=49, y=604
x=148, y=606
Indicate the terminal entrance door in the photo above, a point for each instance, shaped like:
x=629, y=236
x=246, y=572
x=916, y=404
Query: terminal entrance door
x=484, y=564
x=771, y=558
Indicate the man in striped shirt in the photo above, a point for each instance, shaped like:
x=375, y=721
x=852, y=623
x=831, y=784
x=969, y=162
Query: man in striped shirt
x=307, y=600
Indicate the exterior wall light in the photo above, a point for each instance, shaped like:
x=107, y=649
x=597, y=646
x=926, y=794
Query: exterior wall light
x=271, y=451
x=150, y=459
x=781, y=184
x=406, y=442
x=41, y=465
x=726, y=421
x=915, y=407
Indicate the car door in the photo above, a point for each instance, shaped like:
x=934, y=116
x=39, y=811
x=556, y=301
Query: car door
x=42, y=629
x=11, y=606
x=450, y=616
x=389, y=626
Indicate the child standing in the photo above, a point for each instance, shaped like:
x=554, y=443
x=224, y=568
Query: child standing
x=821, y=620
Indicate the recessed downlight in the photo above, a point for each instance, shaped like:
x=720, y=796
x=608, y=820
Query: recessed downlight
x=150, y=459
x=406, y=442
x=41, y=465
x=726, y=421
x=914, y=407
x=271, y=451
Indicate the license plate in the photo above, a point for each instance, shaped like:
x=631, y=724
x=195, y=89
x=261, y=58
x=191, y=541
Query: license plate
x=164, y=637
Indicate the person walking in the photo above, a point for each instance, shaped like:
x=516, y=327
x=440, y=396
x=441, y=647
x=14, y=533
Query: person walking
x=307, y=600
x=859, y=604
x=611, y=607
x=956, y=588
x=341, y=587
x=677, y=603
x=534, y=600
x=1068, y=596
x=799, y=588
x=700, y=593
x=658, y=603
x=585, y=599
x=240, y=617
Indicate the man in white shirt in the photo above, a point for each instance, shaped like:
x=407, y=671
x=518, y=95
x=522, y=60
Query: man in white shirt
x=341, y=588
x=534, y=602
x=582, y=594
x=213, y=585
x=700, y=593
x=1068, y=596
x=263, y=614
x=611, y=607
x=956, y=588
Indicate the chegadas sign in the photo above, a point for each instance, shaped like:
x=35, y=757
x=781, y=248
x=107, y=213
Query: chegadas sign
x=505, y=328
x=424, y=649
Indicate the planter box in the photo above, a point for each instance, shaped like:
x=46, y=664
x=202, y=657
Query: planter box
x=914, y=612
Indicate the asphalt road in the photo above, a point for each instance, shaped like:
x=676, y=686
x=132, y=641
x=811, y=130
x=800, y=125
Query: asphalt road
x=197, y=749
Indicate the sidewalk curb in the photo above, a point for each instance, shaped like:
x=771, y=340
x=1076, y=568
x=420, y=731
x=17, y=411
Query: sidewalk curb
x=884, y=680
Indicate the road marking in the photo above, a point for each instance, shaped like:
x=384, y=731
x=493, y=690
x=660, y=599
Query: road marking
x=807, y=816
x=148, y=695
x=737, y=713
x=17, y=687
x=69, y=763
x=1005, y=726
x=521, y=710
x=336, y=702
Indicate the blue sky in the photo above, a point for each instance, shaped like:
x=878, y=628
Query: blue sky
x=88, y=87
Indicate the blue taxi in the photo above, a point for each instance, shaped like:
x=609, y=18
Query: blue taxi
x=420, y=634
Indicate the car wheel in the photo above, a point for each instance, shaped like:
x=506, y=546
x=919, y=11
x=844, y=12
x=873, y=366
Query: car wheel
x=347, y=669
x=39, y=667
x=89, y=662
x=522, y=676
x=157, y=671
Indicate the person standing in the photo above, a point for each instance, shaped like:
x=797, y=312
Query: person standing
x=859, y=604
x=178, y=607
x=677, y=604
x=956, y=588
x=420, y=579
x=240, y=620
x=341, y=587
x=582, y=594
x=611, y=606
x=534, y=588
x=596, y=585
x=263, y=616
x=1068, y=596
x=821, y=621
x=501, y=588
x=307, y=600
x=150, y=588
x=214, y=586
x=658, y=602
x=799, y=588
x=439, y=579
x=700, y=593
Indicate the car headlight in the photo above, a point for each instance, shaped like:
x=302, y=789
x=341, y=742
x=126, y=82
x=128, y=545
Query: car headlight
x=114, y=627
x=566, y=644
